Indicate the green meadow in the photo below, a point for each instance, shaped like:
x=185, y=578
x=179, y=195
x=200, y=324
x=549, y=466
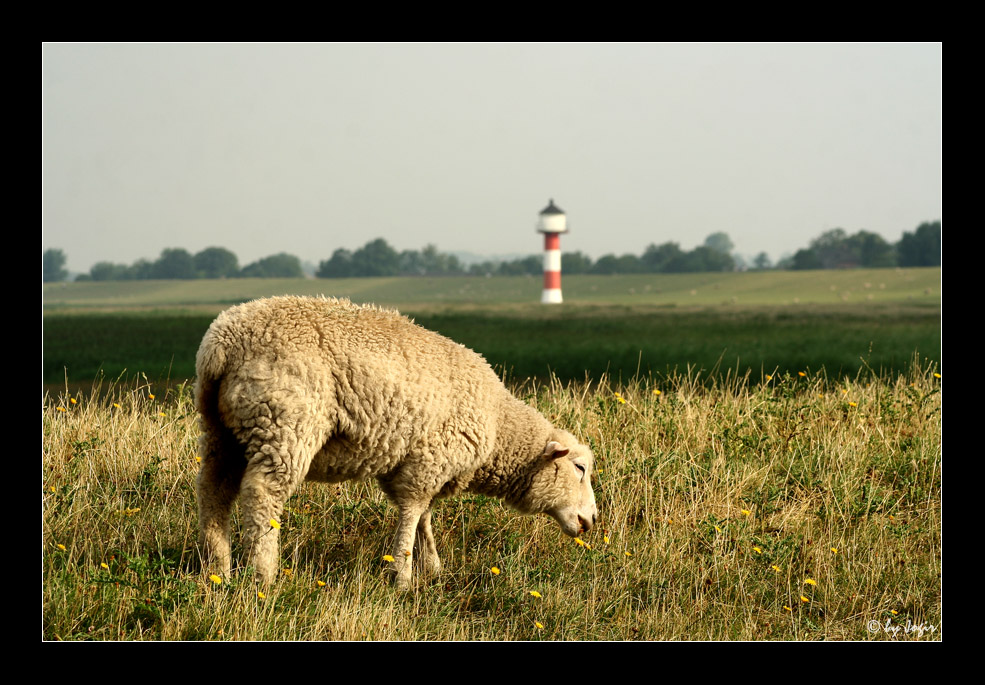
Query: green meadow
x=844, y=322
x=768, y=453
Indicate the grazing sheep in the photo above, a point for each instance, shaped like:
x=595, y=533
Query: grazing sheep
x=291, y=388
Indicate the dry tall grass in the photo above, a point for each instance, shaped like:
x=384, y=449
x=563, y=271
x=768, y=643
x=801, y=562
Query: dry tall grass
x=794, y=508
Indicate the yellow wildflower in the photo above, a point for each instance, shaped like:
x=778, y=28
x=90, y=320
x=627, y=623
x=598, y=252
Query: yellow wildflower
x=539, y=624
x=61, y=547
x=72, y=400
x=580, y=541
x=62, y=409
x=810, y=581
x=717, y=529
x=804, y=599
x=261, y=595
x=387, y=557
x=769, y=377
x=628, y=554
x=150, y=395
x=834, y=550
x=745, y=512
x=775, y=568
x=893, y=612
x=853, y=404
x=656, y=392
x=787, y=608
x=494, y=570
x=116, y=405
x=198, y=459
x=757, y=550
x=288, y=572
x=937, y=375
x=801, y=374
x=534, y=593
x=274, y=524
x=104, y=565
x=320, y=583
x=215, y=579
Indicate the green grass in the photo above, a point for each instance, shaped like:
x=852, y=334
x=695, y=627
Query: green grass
x=718, y=502
x=841, y=321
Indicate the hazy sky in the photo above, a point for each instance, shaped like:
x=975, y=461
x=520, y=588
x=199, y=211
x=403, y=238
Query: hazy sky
x=305, y=148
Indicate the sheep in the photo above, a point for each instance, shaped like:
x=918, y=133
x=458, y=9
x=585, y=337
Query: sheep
x=295, y=388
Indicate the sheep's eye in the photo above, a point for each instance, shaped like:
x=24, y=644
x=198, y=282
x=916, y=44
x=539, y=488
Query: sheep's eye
x=582, y=469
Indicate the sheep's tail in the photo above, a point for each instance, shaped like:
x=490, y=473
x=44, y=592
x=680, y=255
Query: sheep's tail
x=210, y=367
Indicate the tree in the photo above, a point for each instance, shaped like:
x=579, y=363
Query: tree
x=339, y=266
x=576, y=263
x=871, y=250
x=720, y=242
x=174, y=263
x=376, y=258
x=761, y=261
x=53, y=266
x=107, y=271
x=216, y=262
x=922, y=247
x=666, y=258
x=281, y=265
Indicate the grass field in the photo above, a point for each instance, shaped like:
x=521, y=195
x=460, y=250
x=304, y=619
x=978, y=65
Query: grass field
x=768, y=451
x=785, y=509
x=840, y=321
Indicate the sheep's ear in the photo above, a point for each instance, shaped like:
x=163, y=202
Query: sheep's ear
x=555, y=450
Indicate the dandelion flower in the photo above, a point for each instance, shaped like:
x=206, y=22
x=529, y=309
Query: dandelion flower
x=261, y=595
x=787, y=608
x=775, y=568
x=580, y=542
x=387, y=557
x=619, y=398
x=116, y=405
x=104, y=565
x=288, y=572
x=150, y=395
x=853, y=404
x=198, y=459
x=628, y=554
x=810, y=581
x=656, y=392
x=834, y=550
x=605, y=539
x=62, y=409
x=274, y=524
x=534, y=593
x=801, y=374
x=804, y=599
x=61, y=547
x=215, y=579
x=769, y=377
x=494, y=570
x=937, y=375
x=72, y=400
x=757, y=550
x=894, y=612
x=539, y=625
x=717, y=529
x=320, y=583
x=745, y=512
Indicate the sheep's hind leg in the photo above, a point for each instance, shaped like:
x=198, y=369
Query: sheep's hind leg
x=217, y=485
x=424, y=548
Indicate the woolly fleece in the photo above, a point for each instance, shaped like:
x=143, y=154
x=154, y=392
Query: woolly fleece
x=290, y=388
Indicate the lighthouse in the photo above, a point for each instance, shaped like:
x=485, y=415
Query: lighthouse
x=552, y=224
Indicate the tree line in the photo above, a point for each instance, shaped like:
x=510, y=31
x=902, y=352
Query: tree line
x=833, y=249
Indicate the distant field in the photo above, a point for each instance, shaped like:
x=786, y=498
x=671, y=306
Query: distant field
x=840, y=321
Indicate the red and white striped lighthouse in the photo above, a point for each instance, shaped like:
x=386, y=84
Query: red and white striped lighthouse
x=552, y=224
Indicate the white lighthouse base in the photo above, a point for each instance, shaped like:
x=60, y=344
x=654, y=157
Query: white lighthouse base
x=551, y=296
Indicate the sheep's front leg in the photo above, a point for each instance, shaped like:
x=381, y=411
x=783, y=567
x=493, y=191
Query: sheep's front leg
x=403, y=544
x=424, y=548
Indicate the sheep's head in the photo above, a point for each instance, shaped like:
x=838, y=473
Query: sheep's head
x=562, y=486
